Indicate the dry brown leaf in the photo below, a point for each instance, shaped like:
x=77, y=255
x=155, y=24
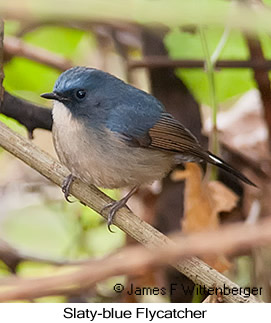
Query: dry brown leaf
x=203, y=201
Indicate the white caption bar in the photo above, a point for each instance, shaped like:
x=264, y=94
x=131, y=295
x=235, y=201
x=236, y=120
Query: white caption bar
x=103, y=312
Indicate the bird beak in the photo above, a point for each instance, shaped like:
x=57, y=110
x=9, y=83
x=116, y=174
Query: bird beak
x=53, y=96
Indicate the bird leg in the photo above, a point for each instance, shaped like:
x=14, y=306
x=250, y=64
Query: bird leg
x=116, y=205
x=66, y=186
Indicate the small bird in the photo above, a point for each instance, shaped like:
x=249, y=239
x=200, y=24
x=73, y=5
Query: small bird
x=113, y=135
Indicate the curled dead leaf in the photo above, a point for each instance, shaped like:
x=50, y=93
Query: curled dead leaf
x=203, y=201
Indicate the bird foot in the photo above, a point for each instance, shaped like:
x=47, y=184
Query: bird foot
x=115, y=206
x=66, y=187
x=113, y=209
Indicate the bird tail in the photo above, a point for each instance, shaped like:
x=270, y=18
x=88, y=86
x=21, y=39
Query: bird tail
x=214, y=160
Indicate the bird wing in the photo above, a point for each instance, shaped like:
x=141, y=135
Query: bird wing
x=169, y=134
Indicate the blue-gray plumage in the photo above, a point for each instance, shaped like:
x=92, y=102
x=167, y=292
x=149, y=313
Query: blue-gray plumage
x=111, y=134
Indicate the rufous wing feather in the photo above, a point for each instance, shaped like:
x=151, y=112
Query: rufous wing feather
x=170, y=135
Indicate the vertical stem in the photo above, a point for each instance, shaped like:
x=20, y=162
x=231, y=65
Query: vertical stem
x=209, y=65
x=220, y=45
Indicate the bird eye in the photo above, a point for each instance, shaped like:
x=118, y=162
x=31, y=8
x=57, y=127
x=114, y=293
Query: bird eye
x=80, y=94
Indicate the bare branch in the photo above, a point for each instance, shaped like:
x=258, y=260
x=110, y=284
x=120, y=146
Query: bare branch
x=193, y=268
x=15, y=47
x=161, y=61
x=28, y=114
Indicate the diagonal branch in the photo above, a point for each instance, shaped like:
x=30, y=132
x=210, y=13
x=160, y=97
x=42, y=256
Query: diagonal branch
x=193, y=268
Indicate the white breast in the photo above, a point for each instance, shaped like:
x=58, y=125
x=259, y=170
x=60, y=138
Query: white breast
x=65, y=131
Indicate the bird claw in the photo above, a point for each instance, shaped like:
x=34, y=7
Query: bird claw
x=66, y=187
x=114, y=207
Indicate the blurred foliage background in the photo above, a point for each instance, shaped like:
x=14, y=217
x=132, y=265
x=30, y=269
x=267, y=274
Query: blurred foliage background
x=33, y=214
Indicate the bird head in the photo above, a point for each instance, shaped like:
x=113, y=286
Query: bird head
x=81, y=88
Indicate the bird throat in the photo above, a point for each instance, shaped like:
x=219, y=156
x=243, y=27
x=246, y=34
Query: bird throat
x=61, y=114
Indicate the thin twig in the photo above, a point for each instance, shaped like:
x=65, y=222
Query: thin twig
x=161, y=61
x=16, y=47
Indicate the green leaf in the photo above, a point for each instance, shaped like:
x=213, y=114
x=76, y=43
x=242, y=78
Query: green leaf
x=229, y=82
